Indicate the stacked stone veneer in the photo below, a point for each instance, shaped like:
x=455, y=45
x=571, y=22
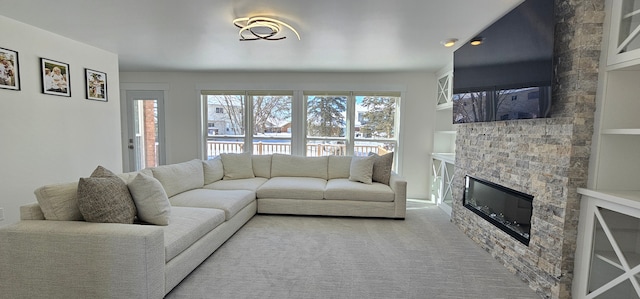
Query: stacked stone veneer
x=547, y=158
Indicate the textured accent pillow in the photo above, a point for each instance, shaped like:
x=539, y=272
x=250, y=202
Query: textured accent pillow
x=382, y=167
x=150, y=199
x=104, y=197
x=213, y=170
x=361, y=169
x=237, y=166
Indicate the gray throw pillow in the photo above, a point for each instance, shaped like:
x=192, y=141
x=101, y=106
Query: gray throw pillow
x=382, y=167
x=104, y=197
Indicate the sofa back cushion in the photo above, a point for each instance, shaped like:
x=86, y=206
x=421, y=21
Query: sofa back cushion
x=299, y=166
x=339, y=167
x=213, y=170
x=237, y=166
x=261, y=166
x=180, y=177
x=59, y=201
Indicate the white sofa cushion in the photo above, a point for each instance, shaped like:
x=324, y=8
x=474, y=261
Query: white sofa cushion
x=242, y=184
x=237, y=166
x=188, y=225
x=339, y=167
x=298, y=166
x=59, y=201
x=344, y=189
x=230, y=201
x=151, y=200
x=127, y=177
x=261, y=165
x=292, y=187
x=213, y=170
x=180, y=177
x=361, y=169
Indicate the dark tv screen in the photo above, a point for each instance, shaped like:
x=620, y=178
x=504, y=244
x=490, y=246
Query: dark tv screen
x=509, y=75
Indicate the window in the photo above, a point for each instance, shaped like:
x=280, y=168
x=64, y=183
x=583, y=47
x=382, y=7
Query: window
x=326, y=124
x=375, y=130
x=225, y=131
x=271, y=123
x=329, y=123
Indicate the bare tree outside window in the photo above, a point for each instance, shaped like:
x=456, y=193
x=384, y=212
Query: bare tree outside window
x=271, y=114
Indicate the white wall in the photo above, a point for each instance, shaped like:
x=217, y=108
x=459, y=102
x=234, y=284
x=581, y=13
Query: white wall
x=49, y=139
x=183, y=100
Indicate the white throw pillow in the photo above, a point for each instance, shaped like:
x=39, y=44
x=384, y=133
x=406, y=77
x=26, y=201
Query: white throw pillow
x=362, y=169
x=151, y=200
x=237, y=166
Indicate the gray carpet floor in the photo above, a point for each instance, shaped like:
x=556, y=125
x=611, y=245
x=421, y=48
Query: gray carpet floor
x=424, y=256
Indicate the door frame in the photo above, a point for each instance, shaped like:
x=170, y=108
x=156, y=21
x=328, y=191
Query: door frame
x=125, y=113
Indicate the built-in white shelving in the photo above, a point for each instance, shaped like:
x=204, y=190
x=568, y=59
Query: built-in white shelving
x=444, y=138
x=607, y=263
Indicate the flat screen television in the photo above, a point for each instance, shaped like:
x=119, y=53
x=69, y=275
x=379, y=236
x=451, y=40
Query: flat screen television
x=509, y=75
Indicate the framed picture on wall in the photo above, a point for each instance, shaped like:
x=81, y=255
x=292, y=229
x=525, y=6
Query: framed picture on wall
x=55, y=77
x=96, y=83
x=9, y=69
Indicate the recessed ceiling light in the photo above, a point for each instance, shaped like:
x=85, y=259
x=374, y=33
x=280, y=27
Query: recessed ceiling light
x=476, y=41
x=449, y=42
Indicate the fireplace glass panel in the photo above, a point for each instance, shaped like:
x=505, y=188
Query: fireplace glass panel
x=507, y=209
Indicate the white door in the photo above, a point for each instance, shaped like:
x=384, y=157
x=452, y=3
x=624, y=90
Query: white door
x=145, y=119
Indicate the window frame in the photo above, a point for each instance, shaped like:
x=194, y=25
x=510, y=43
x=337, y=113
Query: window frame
x=299, y=110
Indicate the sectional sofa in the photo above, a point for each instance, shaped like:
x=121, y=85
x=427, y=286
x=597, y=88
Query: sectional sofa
x=175, y=216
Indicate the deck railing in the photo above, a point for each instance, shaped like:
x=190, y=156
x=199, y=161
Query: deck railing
x=215, y=148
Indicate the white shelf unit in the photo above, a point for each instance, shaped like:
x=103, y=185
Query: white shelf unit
x=624, y=44
x=443, y=172
x=608, y=251
x=607, y=263
x=444, y=142
x=444, y=91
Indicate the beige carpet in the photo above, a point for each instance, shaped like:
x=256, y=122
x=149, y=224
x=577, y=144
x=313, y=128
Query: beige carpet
x=425, y=256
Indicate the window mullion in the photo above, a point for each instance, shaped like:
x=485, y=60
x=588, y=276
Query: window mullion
x=351, y=126
x=298, y=124
x=248, y=121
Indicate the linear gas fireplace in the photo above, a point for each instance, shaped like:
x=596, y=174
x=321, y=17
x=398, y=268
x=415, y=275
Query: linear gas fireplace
x=507, y=209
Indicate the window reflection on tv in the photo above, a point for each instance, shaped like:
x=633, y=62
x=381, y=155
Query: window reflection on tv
x=501, y=104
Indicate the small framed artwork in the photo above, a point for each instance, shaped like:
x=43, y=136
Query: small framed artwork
x=55, y=77
x=96, y=85
x=9, y=69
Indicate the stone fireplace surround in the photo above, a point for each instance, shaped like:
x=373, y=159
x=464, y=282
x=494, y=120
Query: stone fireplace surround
x=547, y=158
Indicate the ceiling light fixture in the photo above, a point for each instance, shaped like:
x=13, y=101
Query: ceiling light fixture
x=449, y=42
x=257, y=28
x=476, y=41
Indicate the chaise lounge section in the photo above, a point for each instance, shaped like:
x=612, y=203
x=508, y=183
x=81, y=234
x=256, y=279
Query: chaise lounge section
x=53, y=252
